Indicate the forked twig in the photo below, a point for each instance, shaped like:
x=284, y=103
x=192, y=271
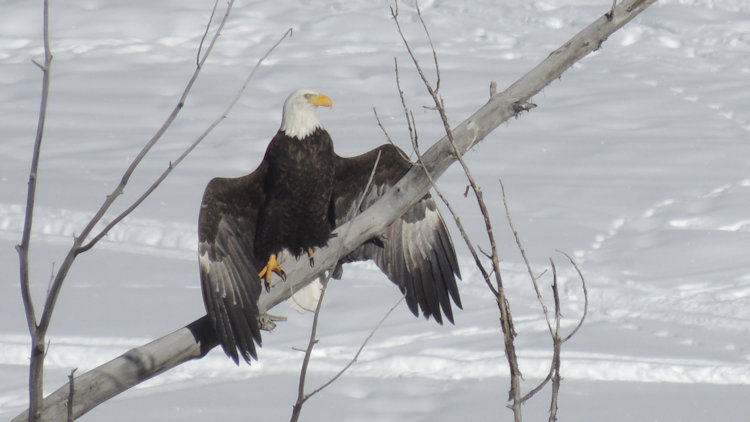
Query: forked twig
x=585, y=297
x=301, y=396
x=38, y=330
x=359, y=351
x=509, y=333
x=205, y=34
x=173, y=164
x=439, y=192
x=78, y=246
x=502, y=302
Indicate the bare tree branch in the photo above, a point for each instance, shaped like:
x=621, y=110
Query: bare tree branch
x=205, y=34
x=525, y=258
x=585, y=298
x=176, y=162
x=506, y=320
x=557, y=341
x=193, y=341
x=359, y=351
x=301, y=398
x=36, y=367
x=415, y=147
x=38, y=330
x=556, y=346
x=78, y=242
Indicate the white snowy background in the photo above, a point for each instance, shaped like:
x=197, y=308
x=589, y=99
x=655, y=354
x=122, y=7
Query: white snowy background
x=635, y=162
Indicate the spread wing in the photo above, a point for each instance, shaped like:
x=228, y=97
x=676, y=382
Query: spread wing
x=229, y=271
x=415, y=252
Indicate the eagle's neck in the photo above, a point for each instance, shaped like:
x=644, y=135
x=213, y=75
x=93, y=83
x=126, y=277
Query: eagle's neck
x=299, y=123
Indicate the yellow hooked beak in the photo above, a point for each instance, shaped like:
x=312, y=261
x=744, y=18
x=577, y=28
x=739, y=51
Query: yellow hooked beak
x=321, y=100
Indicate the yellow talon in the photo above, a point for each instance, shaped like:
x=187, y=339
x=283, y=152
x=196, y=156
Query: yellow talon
x=271, y=267
x=311, y=255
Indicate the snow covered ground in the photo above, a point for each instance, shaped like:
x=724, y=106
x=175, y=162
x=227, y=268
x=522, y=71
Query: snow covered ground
x=635, y=162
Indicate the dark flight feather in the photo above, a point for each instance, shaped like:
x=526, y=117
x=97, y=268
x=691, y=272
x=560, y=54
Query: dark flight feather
x=415, y=252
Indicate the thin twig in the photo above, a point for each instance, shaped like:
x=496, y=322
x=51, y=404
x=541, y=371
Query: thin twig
x=525, y=258
x=413, y=136
x=380, y=125
x=459, y=224
x=432, y=47
x=385, y=131
x=297, y=408
x=78, y=242
x=205, y=34
x=71, y=391
x=539, y=386
x=432, y=91
x=611, y=14
x=176, y=162
x=301, y=396
x=359, y=351
x=443, y=198
x=554, y=366
x=556, y=345
x=388, y=136
x=502, y=302
x=585, y=297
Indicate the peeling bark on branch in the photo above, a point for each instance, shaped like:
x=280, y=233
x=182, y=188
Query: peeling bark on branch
x=194, y=340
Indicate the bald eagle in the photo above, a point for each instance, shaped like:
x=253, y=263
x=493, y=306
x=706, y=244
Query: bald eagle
x=298, y=194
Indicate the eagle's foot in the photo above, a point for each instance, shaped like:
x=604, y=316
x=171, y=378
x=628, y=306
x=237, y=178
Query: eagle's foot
x=311, y=255
x=271, y=267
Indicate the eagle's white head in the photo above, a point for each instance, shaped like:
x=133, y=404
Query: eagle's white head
x=299, y=120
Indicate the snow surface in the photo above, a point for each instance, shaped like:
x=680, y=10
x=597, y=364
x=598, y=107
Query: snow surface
x=635, y=162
